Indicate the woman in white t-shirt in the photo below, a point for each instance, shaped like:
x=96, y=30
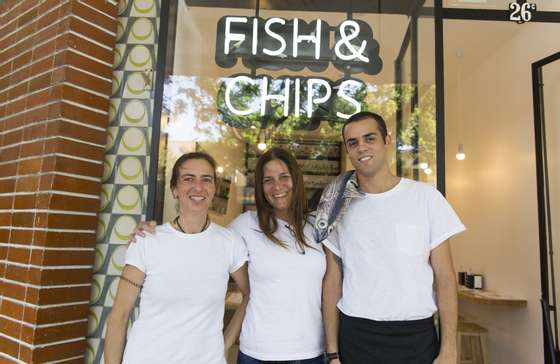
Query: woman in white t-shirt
x=181, y=273
x=286, y=267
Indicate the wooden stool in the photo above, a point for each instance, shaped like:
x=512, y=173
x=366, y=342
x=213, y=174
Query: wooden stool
x=475, y=350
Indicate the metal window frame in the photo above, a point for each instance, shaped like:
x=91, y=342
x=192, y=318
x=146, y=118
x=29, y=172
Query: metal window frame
x=550, y=334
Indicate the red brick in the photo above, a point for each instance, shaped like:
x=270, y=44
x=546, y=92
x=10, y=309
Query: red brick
x=90, y=48
x=53, y=296
x=12, y=309
x=60, y=351
x=27, y=184
x=32, y=149
x=108, y=23
x=68, y=221
x=51, y=31
x=21, y=236
x=41, y=66
x=39, y=98
x=37, y=130
x=6, y=202
x=15, y=107
x=24, y=202
x=40, y=82
x=74, y=203
x=84, y=80
x=30, y=166
x=91, y=32
x=73, y=148
x=60, y=332
x=8, y=170
x=78, y=240
x=9, y=153
x=20, y=255
x=82, y=115
x=71, y=184
x=44, y=50
x=8, y=28
x=23, y=219
x=57, y=314
x=7, y=185
x=17, y=273
x=10, y=347
x=17, y=91
x=79, y=132
x=6, y=218
x=85, y=98
x=13, y=137
x=22, y=60
x=12, y=290
x=49, y=5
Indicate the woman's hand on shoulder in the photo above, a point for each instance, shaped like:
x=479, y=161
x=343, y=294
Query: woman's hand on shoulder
x=141, y=229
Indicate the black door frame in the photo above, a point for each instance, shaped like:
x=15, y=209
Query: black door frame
x=548, y=286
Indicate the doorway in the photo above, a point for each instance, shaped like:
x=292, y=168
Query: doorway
x=546, y=93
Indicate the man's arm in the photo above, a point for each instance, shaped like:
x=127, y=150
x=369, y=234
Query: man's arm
x=332, y=291
x=446, y=291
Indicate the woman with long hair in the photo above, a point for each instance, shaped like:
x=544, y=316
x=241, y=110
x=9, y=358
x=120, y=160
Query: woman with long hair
x=181, y=273
x=286, y=266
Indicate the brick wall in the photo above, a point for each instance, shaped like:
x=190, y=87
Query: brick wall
x=55, y=80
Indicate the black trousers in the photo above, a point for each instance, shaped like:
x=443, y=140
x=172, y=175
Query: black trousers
x=364, y=341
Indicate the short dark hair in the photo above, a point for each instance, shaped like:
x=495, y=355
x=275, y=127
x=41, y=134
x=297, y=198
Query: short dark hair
x=188, y=156
x=364, y=115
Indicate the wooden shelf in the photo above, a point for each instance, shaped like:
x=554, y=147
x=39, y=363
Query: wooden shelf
x=489, y=298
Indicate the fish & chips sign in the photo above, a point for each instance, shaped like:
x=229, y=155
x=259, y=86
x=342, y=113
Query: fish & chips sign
x=275, y=44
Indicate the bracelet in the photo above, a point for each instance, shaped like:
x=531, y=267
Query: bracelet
x=331, y=356
x=139, y=286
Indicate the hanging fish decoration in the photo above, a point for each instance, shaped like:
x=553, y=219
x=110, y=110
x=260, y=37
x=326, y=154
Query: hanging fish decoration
x=334, y=202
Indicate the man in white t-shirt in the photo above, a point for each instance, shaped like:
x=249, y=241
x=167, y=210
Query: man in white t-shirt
x=396, y=263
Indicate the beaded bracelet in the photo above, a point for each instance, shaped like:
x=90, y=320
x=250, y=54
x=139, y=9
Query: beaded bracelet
x=139, y=286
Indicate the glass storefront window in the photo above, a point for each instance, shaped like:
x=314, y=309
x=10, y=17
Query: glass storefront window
x=240, y=85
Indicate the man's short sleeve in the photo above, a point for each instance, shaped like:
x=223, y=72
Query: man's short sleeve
x=136, y=254
x=239, y=252
x=332, y=243
x=444, y=222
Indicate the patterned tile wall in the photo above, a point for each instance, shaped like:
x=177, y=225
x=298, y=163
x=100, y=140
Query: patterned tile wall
x=127, y=158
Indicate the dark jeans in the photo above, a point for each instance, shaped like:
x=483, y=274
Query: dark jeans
x=246, y=359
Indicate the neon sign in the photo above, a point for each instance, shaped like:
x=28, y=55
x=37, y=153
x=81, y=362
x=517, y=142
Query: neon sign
x=276, y=43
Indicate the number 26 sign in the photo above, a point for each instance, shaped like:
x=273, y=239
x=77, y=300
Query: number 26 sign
x=521, y=12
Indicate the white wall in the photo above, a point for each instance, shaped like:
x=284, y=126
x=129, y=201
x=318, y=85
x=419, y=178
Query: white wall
x=494, y=188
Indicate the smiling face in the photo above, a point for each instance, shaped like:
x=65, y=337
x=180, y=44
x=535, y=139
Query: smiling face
x=277, y=186
x=195, y=186
x=366, y=147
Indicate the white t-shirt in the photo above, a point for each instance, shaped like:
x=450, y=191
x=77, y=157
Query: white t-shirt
x=182, y=301
x=384, y=241
x=283, y=318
